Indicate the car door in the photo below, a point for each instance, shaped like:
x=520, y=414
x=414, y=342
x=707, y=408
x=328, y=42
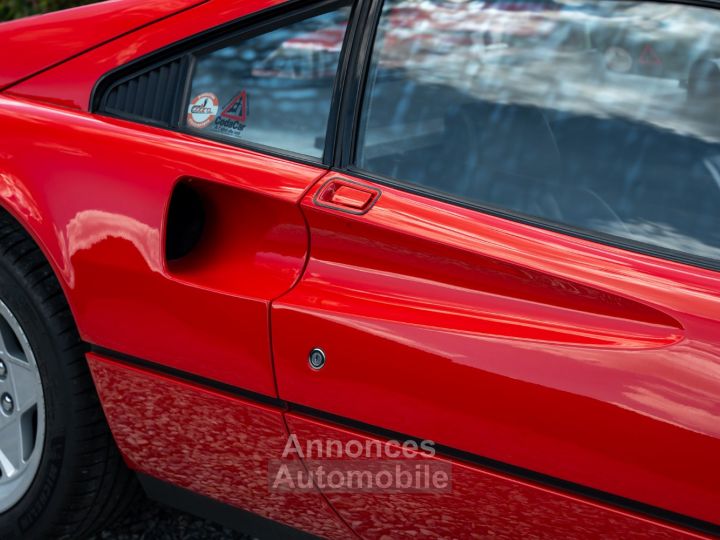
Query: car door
x=516, y=257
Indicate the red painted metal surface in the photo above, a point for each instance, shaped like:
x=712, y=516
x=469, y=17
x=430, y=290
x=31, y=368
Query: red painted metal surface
x=573, y=359
x=173, y=431
x=94, y=192
x=481, y=504
x=71, y=84
x=562, y=356
x=32, y=44
x=351, y=197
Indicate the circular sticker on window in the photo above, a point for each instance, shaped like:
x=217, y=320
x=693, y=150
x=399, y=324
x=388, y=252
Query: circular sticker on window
x=618, y=59
x=202, y=111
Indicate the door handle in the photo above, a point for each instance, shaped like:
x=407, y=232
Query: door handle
x=347, y=196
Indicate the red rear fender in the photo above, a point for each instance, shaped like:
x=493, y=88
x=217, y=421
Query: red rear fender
x=34, y=44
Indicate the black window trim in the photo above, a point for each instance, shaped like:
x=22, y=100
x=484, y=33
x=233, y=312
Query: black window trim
x=348, y=136
x=251, y=25
x=350, y=104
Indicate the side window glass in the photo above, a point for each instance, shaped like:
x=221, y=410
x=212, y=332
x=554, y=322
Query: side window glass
x=272, y=90
x=602, y=115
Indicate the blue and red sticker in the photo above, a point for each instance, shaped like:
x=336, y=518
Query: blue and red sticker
x=204, y=111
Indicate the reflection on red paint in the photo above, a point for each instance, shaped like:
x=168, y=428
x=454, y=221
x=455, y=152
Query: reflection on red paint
x=481, y=504
x=511, y=343
x=205, y=442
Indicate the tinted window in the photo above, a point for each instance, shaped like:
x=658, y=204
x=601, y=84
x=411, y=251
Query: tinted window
x=601, y=115
x=274, y=89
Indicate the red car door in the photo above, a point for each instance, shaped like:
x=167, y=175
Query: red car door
x=518, y=261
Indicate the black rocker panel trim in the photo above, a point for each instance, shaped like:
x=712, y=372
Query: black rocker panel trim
x=229, y=516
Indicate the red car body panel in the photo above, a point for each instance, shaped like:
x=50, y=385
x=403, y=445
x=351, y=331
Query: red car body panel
x=71, y=84
x=482, y=504
x=522, y=345
x=33, y=44
x=140, y=406
x=234, y=462
x=104, y=235
x=557, y=355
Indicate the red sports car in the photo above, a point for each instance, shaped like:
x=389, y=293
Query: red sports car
x=363, y=269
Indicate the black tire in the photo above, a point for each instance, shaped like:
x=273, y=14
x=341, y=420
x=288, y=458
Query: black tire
x=82, y=483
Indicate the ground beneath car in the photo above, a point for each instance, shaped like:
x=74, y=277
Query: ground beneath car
x=152, y=521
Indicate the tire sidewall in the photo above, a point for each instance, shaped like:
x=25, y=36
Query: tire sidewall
x=40, y=505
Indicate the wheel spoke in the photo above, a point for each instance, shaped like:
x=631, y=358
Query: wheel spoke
x=6, y=386
x=11, y=448
x=25, y=384
x=15, y=359
x=4, y=422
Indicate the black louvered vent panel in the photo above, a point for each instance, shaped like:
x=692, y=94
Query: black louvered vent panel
x=150, y=96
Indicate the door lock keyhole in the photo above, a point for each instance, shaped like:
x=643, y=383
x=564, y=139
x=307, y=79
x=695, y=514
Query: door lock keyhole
x=317, y=358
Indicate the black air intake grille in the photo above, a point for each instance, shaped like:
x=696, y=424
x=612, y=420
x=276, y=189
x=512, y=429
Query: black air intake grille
x=151, y=96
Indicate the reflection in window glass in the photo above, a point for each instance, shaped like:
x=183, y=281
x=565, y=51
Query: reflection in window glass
x=274, y=89
x=603, y=115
